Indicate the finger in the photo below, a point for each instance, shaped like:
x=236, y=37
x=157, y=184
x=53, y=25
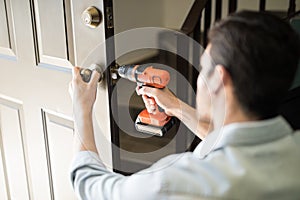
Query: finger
x=150, y=92
x=76, y=72
x=137, y=90
x=150, y=108
x=148, y=100
x=151, y=101
x=145, y=99
x=95, y=78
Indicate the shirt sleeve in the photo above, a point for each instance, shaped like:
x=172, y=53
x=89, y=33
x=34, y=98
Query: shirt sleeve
x=91, y=180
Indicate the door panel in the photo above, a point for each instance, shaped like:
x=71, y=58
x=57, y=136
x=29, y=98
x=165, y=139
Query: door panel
x=3, y=180
x=4, y=38
x=7, y=30
x=12, y=137
x=57, y=130
x=53, y=36
x=40, y=44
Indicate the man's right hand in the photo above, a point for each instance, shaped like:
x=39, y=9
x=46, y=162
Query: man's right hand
x=163, y=97
x=175, y=107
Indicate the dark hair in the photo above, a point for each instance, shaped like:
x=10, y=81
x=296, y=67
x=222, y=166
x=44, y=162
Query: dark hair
x=261, y=54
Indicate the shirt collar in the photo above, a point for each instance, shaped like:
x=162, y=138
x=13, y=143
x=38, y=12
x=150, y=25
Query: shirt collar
x=246, y=133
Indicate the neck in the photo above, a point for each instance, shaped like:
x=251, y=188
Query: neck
x=228, y=110
x=235, y=114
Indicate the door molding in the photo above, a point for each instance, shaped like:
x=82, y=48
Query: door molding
x=48, y=35
x=53, y=118
x=16, y=106
x=8, y=51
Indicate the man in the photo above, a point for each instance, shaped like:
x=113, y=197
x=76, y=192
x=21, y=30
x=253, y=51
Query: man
x=251, y=153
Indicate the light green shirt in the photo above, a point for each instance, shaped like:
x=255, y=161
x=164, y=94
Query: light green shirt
x=252, y=160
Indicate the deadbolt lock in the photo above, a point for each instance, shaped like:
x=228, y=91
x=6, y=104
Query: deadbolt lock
x=91, y=17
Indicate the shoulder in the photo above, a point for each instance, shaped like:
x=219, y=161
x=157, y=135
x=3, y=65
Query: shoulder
x=297, y=136
x=189, y=176
x=182, y=176
x=235, y=172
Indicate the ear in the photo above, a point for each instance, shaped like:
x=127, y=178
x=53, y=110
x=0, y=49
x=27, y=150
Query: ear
x=219, y=79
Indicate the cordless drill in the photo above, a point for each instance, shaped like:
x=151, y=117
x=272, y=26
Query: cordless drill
x=158, y=122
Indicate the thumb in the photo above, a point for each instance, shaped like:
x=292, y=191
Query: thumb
x=150, y=92
x=95, y=77
x=76, y=73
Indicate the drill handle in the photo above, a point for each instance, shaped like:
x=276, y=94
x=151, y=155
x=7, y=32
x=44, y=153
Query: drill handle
x=157, y=107
x=160, y=109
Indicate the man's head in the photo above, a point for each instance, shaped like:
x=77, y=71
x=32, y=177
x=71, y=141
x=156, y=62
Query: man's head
x=257, y=54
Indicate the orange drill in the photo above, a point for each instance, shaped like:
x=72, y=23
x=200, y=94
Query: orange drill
x=156, y=123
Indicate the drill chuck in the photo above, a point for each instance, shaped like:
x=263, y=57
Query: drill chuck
x=125, y=71
x=122, y=71
x=145, y=74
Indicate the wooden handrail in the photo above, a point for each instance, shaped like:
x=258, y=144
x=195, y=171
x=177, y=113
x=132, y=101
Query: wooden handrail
x=193, y=17
x=292, y=7
x=262, y=5
x=218, y=10
x=232, y=6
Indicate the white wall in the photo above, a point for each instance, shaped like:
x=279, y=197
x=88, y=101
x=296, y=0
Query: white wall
x=141, y=13
x=129, y=14
x=171, y=13
x=175, y=11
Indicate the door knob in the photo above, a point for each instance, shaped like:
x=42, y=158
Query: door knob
x=91, y=17
x=86, y=73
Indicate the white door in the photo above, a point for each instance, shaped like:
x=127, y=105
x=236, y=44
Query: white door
x=40, y=41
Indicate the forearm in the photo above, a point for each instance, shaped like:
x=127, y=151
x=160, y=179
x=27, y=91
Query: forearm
x=83, y=95
x=84, y=133
x=188, y=116
x=175, y=107
x=91, y=180
x=88, y=174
